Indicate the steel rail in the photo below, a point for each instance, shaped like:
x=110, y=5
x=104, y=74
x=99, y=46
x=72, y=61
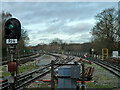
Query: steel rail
x=23, y=77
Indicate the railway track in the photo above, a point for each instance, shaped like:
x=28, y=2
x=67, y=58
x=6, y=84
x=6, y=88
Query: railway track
x=22, y=59
x=113, y=68
x=25, y=79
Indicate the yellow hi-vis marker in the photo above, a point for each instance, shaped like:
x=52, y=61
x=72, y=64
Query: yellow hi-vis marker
x=62, y=51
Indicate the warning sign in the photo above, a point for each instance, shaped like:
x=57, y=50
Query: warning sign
x=115, y=53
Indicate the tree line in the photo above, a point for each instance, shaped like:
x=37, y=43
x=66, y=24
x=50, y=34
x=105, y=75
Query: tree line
x=57, y=45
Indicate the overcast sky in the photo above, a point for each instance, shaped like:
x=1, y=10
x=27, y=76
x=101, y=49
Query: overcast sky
x=69, y=21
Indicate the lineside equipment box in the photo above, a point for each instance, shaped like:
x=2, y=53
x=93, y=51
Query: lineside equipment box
x=12, y=66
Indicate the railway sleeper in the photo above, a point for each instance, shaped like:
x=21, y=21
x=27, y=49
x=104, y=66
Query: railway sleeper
x=89, y=73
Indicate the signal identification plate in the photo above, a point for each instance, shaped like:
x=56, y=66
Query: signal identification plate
x=11, y=41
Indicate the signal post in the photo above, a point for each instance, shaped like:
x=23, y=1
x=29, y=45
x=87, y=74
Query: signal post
x=12, y=36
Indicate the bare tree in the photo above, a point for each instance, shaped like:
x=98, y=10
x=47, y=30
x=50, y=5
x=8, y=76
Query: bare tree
x=104, y=32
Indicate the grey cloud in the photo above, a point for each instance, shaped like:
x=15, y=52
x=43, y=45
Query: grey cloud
x=78, y=39
x=44, y=39
x=61, y=28
x=40, y=12
x=55, y=16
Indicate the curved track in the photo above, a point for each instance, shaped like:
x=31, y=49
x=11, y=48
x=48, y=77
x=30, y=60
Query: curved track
x=115, y=69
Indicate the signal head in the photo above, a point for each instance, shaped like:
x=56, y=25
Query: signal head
x=12, y=29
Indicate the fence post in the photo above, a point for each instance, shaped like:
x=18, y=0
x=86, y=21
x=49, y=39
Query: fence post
x=52, y=76
x=83, y=77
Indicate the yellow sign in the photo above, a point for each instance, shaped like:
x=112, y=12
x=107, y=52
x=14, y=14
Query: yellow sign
x=104, y=53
